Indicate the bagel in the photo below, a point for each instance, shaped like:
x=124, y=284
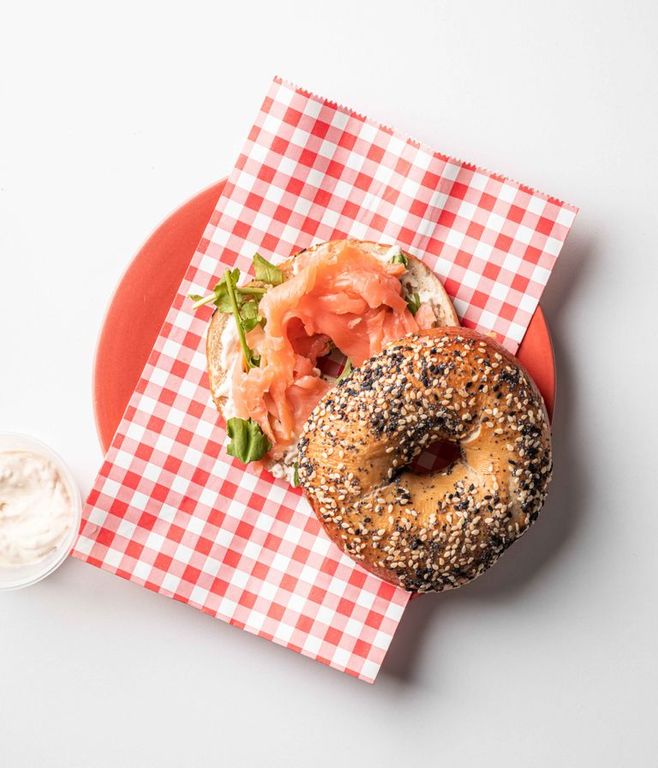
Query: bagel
x=221, y=334
x=429, y=532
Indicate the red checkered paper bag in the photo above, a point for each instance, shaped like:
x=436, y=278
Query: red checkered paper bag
x=170, y=509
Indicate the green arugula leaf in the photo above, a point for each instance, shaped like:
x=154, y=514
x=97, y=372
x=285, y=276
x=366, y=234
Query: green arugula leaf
x=248, y=443
x=200, y=301
x=413, y=302
x=347, y=370
x=295, y=475
x=267, y=272
x=400, y=258
x=222, y=301
x=219, y=296
x=249, y=315
x=241, y=302
x=229, y=280
x=255, y=293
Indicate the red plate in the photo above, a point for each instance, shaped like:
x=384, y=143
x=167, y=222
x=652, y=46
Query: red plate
x=144, y=295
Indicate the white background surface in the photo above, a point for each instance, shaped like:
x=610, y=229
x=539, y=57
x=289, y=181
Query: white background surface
x=112, y=116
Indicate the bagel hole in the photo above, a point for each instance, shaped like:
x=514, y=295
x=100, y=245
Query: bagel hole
x=332, y=365
x=435, y=457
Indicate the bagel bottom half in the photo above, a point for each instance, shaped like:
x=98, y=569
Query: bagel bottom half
x=222, y=333
x=439, y=530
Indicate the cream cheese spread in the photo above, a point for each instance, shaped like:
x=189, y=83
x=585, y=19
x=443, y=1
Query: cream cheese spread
x=36, y=509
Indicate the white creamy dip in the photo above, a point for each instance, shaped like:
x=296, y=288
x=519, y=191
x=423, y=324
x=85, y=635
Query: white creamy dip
x=36, y=510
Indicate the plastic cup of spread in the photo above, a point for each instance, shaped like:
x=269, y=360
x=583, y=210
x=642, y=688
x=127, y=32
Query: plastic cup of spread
x=23, y=574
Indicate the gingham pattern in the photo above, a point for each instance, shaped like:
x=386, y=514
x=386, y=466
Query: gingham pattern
x=170, y=509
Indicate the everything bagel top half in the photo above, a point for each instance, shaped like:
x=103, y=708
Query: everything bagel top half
x=440, y=530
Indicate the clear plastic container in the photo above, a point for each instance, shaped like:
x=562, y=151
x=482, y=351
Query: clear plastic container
x=15, y=577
